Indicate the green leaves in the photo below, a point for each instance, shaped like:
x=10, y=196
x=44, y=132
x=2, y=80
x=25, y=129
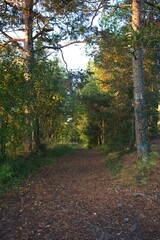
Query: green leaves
x=44, y=96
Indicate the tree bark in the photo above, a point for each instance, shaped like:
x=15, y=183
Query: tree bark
x=28, y=37
x=141, y=124
x=28, y=61
x=31, y=117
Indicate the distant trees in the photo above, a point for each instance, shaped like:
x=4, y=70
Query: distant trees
x=96, y=103
x=108, y=96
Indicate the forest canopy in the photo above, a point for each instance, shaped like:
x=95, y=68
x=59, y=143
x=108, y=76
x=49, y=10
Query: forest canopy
x=113, y=103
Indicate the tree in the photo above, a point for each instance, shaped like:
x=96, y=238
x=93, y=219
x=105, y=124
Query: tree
x=115, y=19
x=151, y=36
x=56, y=24
x=112, y=74
x=13, y=97
x=141, y=124
x=96, y=103
x=51, y=97
x=49, y=106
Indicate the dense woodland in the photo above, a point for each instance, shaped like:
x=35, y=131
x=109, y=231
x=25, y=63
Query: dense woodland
x=114, y=103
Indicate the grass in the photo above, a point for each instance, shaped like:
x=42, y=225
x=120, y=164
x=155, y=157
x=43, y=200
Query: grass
x=59, y=150
x=113, y=163
x=144, y=171
x=127, y=170
x=14, y=171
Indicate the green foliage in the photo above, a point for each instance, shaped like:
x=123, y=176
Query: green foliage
x=51, y=97
x=45, y=92
x=14, y=171
x=12, y=95
x=95, y=109
x=113, y=73
x=46, y=97
x=108, y=96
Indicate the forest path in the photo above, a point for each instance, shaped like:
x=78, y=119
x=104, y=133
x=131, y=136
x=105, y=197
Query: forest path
x=76, y=200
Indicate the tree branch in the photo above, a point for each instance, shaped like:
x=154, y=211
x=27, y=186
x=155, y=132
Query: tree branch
x=95, y=14
x=155, y=5
x=64, y=60
x=12, y=40
x=118, y=6
x=58, y=47
x=43, y=30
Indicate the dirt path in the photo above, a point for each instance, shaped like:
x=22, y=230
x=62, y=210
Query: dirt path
x=75, y=200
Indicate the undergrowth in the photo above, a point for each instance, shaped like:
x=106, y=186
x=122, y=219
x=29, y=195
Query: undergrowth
x=144, y=171
x=127, y=170
x=14, y=171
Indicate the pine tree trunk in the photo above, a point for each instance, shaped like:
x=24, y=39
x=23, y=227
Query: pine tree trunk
x=141, y=125
x=31, y=120
x=28, y=57
x=102, y=131
x=28, y=36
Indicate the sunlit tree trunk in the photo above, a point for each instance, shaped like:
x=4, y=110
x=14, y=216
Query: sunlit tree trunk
x=102, y=131
x=28, y=36
x=28, y=63
x=141, y=125
x=32, y=120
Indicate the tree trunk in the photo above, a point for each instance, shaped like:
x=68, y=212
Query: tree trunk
x=141, y=125
x=36, y=134
x=102, y=131
x=28, y=56
x=32, y=122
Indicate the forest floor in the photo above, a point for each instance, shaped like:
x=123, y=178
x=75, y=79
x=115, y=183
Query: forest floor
x=78, y=199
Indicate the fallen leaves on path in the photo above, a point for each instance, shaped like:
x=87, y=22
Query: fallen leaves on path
x=76, y=200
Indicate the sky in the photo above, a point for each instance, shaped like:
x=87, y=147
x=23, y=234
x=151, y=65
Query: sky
x=75, y=56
